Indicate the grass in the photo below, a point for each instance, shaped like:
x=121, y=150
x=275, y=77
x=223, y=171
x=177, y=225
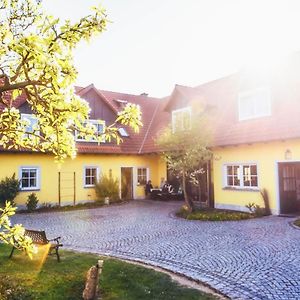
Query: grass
x=79, y=206
x=214, y=215
x=22, y=279
x=128, y=282
x=297, y=222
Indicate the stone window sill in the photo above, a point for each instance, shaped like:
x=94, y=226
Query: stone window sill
x=29, y=189
x=240, y=189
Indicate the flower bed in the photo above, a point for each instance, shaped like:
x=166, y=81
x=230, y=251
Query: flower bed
x=214, y=215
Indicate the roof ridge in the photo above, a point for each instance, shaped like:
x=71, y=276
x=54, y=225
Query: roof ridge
x=107, y=100
x=148, y=129
x=99, y=93
x=127, y=94
x=212, y=81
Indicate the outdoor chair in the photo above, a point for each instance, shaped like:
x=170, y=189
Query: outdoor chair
x=39, y=238
x=159, y=194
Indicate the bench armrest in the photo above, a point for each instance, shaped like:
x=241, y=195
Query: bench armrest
x=56, y=239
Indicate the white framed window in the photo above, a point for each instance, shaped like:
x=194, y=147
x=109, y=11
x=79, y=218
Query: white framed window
x=32, y=123
x=233, y=176
x=91, y=174
x=29, y=178
x=181, y=119
x=142, y=176
x=241, y=176
x=255, y=104
x=100, y=128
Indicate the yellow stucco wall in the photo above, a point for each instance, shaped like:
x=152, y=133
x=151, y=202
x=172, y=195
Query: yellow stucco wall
x=48, y=193
x=266, y=156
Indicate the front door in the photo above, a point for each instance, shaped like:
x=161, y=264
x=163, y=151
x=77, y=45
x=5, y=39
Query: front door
x=126, y=183
x=289, y=187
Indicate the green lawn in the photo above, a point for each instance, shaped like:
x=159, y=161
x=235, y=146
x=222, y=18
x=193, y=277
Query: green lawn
x=22, y=278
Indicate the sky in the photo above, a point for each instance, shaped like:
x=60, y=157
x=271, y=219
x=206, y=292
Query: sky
x=151, y=45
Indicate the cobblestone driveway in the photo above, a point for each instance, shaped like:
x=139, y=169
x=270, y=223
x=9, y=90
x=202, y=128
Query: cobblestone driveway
x=253, y=259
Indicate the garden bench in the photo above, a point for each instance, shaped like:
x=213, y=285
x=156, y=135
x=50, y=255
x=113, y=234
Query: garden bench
x=39, y=238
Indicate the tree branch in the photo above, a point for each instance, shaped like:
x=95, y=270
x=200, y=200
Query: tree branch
x=19, y=85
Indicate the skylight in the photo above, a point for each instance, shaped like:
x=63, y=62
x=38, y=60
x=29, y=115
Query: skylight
x=121, y=101
x=123, y=132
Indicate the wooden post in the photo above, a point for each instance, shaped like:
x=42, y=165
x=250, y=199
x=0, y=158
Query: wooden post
x=59, y=195
x=208, y=183
x=211, y=200
x=92, y=291
x=74, y=202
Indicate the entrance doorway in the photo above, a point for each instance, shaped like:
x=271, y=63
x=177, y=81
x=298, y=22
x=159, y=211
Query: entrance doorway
x=126, y=183
x=202, y=192
x=289, y=187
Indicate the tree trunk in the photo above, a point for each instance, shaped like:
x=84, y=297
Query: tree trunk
x=188, y=201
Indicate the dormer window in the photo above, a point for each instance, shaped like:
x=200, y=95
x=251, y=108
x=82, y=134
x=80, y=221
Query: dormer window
x=100, y=127
x=254, y=104
x=181, y=119
x=32, y=124
x=120, y=102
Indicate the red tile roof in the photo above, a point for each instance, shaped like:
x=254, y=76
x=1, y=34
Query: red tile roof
x=154, y=118
x=142, y=142
x=136, y=143
x=81, y=91
x=16, y=103
x=282, y=124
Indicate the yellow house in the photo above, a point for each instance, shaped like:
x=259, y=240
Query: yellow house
x=256, y=136
x=133, y=162
x=256, y=142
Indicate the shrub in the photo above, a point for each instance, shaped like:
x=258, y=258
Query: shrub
x=46, y=205
x=183, y=212
x=251, y=207
x=107, y=186
x=256, y=210
x=9, y=189
x=32, y=202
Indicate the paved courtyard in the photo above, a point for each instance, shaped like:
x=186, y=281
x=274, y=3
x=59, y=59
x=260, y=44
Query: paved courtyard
x=252, y=259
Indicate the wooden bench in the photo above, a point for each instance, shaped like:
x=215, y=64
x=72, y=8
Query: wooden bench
x=39, y=238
